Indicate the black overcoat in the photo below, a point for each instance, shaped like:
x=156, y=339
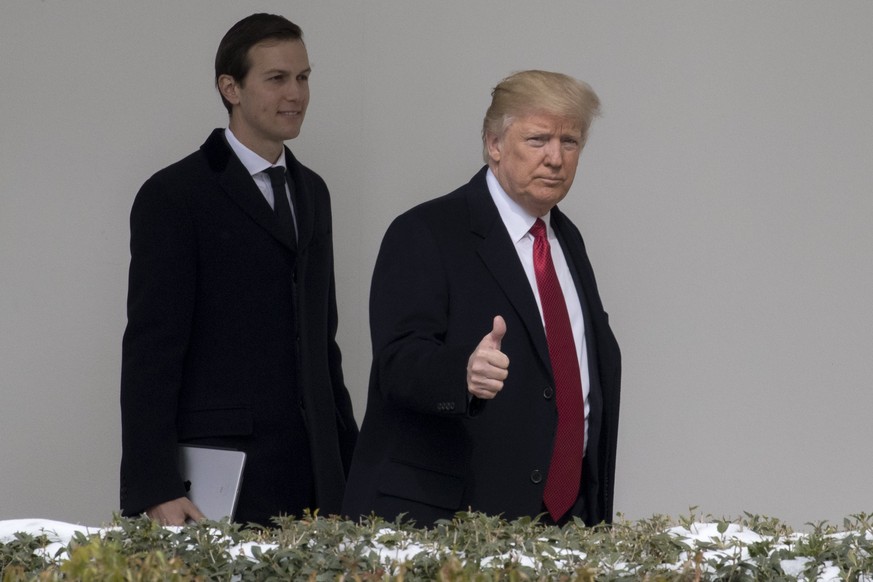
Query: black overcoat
x=230, y=338
x=445, y=269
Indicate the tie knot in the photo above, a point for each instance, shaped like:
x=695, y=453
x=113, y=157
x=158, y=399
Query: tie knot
x=538, y=230
x=277, y=174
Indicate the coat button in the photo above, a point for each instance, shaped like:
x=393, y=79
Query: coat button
x=548, y=393
x=536, y=476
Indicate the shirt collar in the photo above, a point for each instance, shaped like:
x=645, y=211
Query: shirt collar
x=516, y=219
x=252, y=161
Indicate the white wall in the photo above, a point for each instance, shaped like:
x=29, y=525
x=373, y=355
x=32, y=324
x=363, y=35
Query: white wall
x=725, y=197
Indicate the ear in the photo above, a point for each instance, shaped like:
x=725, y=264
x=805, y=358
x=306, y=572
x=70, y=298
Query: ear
x=493, y=146
x=229, y=89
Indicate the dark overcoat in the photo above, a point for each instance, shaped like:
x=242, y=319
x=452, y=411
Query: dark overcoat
x=230, y=338
x=445, y=269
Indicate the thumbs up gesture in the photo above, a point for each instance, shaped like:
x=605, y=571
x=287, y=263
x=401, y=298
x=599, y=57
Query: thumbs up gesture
x=488, y=367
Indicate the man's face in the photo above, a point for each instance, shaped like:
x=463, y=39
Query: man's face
x=270, y=103
x=535, y=160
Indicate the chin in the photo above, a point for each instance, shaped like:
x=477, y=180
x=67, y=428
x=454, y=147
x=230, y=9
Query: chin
x=549, y=201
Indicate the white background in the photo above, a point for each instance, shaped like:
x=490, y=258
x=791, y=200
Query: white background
x=725, y=198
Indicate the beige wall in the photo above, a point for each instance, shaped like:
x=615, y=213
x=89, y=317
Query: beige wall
x=726, y=198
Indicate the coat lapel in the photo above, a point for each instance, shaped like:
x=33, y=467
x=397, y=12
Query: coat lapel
x=583, y=277
x=237, y=183
x=580, y=268
x=499, y=255
x=303, y=203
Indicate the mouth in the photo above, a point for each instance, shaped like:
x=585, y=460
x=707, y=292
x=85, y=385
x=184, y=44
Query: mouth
x=551, y=181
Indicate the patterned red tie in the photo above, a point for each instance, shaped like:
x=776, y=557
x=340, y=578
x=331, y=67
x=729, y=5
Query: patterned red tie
x=565, y=470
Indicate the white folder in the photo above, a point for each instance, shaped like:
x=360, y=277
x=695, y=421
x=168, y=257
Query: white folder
x=213, y=478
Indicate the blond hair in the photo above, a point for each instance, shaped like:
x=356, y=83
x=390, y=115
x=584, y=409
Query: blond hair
x=529, y=92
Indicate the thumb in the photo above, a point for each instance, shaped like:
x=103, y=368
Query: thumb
x=495, y=336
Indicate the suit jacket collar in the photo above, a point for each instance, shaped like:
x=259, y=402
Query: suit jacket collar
x=303, y=203
x=498, y=253
x=237, y=183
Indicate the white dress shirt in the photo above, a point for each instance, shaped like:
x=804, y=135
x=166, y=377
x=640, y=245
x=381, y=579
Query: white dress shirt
x=518, y=223
x=257, y=167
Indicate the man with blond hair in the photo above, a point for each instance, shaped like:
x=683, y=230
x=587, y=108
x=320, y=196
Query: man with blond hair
x=495, y=377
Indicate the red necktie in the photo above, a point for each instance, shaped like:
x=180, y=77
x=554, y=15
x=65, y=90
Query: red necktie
x=565, y=470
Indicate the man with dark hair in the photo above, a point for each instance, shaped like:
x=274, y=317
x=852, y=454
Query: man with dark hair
x=232, y=56
x=495, y=379
x=232, y=317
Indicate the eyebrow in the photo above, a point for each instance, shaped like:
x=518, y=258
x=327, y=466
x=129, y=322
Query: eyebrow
x=549, y=133
x=306, y=71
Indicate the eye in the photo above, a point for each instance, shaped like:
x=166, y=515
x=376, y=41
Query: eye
x=536, y=140
x=303, y=77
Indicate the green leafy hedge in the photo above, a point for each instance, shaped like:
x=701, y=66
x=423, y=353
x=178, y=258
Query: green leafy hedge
x=469, y=547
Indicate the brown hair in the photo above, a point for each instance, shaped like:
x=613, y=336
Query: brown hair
x=232, y=57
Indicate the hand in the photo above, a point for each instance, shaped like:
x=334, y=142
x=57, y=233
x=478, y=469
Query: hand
x=488, y=367
x=175, y=512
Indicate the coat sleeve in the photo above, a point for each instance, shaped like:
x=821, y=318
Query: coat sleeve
x=414, y=366
x=160, y=307
x=347, y=426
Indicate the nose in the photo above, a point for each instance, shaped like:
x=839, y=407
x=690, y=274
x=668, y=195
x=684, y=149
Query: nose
x=552, y=153
x=293, y=90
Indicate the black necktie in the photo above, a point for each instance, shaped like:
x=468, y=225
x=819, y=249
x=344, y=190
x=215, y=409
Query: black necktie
x=281, y=205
